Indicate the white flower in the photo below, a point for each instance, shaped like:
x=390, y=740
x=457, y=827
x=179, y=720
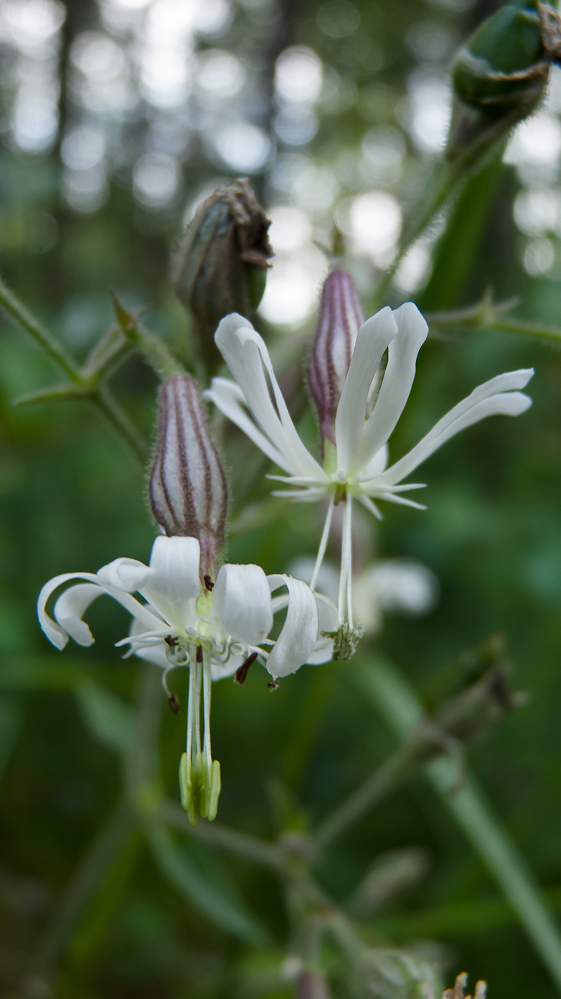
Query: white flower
x=394, y=586
x=178, y=624
x=356, y=467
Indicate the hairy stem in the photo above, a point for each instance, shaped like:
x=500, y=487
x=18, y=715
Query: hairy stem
x=105, y=402
x=484, y=315
x=228, y=839
x=46, y=340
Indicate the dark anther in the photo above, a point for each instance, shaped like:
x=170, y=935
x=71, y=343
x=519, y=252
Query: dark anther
x=208, y=583
x=273, y=684
x=243, y=670
x=199, y=654
x=173, y=703
x=170, y=640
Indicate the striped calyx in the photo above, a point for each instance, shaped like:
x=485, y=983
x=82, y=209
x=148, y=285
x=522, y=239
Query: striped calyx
x=188, y=491
x=340, y=318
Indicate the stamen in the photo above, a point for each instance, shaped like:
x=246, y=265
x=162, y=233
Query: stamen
x=173, y=702
x=243, y=670
x=273, y=684
x=199, y=654
x=171, y=641
x=208, y=582
x=322, y=544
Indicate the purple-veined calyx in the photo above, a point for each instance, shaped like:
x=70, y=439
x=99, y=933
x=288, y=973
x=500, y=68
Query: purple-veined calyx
x=340, y=318
x=188, y=491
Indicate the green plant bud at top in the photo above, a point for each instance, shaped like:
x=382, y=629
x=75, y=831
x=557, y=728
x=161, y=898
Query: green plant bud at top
x=501, y=72
x=506, y=61
x=220, y=263
x=187, y=488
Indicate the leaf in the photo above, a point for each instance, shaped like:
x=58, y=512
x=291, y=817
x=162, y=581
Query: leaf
x=109, y=719
x=214, y=896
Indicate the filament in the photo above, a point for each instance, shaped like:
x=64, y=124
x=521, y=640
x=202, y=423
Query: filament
x=323, y=543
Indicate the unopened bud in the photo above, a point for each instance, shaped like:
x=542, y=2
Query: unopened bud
x=188, y=492
x=340, y=319
x=220, y=263
x=500, y=74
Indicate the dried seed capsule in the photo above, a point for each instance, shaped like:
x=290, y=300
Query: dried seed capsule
x=340, y=319
x=500, y=74
x=188, y=492
x=220, y=263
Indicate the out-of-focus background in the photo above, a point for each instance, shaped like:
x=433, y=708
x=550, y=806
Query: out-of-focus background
x=116, y=119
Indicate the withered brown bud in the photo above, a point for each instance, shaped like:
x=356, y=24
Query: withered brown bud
x=340, y=318
x=220, y=263
x=188, y=492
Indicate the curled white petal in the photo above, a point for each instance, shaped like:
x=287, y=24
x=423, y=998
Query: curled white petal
x=328, y=620
x=372, y=340
x=72, y=605
x=247, y=357
x=124, y=573
x=298, y=636
x=484, y=401
x=397, y=381
x=228, y=397
x=242, y=603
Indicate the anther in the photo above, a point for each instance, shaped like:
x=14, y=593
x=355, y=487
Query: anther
x=171, y=641
x=174, y=703
x=199, y=654
x=208, y=583
x=273, y=684
x=243, y=670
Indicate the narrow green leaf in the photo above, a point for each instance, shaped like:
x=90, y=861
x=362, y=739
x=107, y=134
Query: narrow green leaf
x=212, y=895
x=54, y=393
x=108, y=718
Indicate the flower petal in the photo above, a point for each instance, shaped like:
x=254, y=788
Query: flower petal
x=174, y=565
x=55, y=632
x=484, y=401
x=373, y=338
x=328, y=620
x=397, y=381
x=228, y=397
x=241, y=603
x=124, y=573
x=72, y=605
x=246, y=355
x=298, y=636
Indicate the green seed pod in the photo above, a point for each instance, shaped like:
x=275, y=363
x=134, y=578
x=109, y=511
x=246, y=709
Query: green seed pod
x=500, y=74
x=220, y=263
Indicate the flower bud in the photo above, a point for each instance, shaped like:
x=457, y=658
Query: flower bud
x=500, y=74
x=220, y=262
x=340, y=318
x=188, y=492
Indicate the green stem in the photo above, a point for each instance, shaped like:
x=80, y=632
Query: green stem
x=234, y=842
x=90, y=385
x=155, y=351
x=451, y=180
x=397, y=702
x=46, y=341
x=105, y=402
x=483, y=316
x=374, y=788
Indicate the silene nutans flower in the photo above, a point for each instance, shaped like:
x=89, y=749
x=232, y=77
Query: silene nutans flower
x=367, y=405
x=188, y=612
